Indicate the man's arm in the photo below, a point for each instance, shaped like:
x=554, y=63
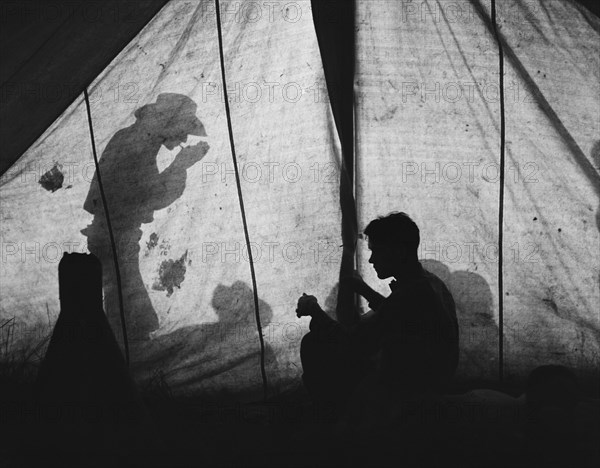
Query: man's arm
x=320, y=323
x=373, y=297
x=363, y=336
x=171, y=182
x=359, y=286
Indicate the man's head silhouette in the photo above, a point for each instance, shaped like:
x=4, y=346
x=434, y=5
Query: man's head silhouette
x=393, y=240
x=171, y=118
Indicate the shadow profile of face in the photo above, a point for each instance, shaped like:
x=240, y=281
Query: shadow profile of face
x=173, y=142
x=171, y=119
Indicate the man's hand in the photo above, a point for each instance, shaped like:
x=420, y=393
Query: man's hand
x=190, y=155
x=307, y=306
x=356, y=283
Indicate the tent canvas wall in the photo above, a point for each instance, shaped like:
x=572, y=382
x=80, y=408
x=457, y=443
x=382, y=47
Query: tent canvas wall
x=425, y=139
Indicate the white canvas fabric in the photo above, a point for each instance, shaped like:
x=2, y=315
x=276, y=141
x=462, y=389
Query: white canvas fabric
x=428, y=132
x=288, y=159
x=427, y=119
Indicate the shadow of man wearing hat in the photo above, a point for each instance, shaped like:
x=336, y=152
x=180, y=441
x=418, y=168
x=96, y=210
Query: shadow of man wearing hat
x=134, y=189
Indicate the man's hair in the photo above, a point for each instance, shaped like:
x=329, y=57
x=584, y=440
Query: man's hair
x=395, y=229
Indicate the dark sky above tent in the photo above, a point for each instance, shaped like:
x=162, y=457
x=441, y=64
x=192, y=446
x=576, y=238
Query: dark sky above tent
x=51, y=50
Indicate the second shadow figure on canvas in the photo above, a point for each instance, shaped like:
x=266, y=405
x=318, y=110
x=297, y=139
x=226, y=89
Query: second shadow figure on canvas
x=134, y=189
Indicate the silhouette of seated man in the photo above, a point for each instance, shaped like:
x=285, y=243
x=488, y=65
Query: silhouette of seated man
x=408, y=343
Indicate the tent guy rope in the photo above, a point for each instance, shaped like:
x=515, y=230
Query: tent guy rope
x=501, y=198
x=241, y=201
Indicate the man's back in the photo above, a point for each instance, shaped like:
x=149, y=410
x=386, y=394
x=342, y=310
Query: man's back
x=414, y=333
x=420, y=344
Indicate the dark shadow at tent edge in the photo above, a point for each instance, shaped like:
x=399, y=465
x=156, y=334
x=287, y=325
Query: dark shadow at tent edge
x=474, y=310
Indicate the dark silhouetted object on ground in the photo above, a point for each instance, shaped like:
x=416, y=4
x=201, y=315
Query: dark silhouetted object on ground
x=87, y=400
x=552, y=386
x=562, y=426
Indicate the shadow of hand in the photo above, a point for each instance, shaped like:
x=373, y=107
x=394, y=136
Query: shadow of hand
x=190, y=155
